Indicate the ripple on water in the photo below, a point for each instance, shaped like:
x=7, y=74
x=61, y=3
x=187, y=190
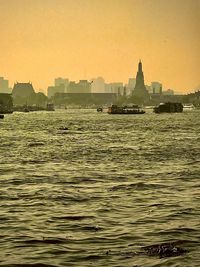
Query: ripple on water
x=80, y=188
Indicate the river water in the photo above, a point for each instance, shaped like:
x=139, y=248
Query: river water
x=81, y=188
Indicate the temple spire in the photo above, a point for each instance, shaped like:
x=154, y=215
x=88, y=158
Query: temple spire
x=140, y=88
x=140, y=66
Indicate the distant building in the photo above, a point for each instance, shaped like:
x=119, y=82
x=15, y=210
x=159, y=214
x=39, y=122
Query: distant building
x=140, y=90
x=52, y=90
x=23, y=90
x=131, y=85
x=149, y=89
x=98, y=85
x=62, y=81
x=114, y=88
x=84, y=99
x=4, y=86
x=156, y=88
x=42, y=91
x=107, y=88
x=83, y=86
x=193, y=98
x=168, y=92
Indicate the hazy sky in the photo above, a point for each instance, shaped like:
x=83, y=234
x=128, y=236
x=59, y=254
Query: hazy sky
x=44, y=39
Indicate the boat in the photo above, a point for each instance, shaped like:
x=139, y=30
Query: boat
x=169, y=107
x=188, y=106
x=1, y=116
x=26, y=109
x=6, y=103
x=50, y=107
x=133, y=109
x=99, y=109
x=197, y=106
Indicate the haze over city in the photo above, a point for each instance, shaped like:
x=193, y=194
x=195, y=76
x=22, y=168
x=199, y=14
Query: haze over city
x=41, y=40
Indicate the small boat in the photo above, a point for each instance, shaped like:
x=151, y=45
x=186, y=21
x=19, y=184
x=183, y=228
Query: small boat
x=99, y=109
x=133, y=109
x=26, y=109
x=50, y=107
x=197, y=106
x=188, y=106
x=169, y=107
x=1, y=116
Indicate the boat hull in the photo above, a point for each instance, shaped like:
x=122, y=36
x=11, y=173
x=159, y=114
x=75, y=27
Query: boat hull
x=127, y=113
x=125, y=110
x=169, y=107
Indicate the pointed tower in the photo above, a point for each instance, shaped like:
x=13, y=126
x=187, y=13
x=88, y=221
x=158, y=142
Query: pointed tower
x=140, y=88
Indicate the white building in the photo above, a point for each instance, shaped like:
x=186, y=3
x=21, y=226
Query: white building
x=98, y=85
x=116, y=88
x=168, y=92
x=156, y=88
x=62, y=81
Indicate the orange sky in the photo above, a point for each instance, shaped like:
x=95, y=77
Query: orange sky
x=76, y=39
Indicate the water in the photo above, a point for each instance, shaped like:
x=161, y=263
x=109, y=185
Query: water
x=81, y=188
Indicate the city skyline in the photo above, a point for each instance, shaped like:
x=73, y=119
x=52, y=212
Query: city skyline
x=107, y=86
x=46, y=39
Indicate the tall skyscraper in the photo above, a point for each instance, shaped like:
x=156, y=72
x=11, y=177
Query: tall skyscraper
x=140, y=89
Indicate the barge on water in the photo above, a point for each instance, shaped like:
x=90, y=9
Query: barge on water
x=133, y=109
x=6, y=103
x=169, y=107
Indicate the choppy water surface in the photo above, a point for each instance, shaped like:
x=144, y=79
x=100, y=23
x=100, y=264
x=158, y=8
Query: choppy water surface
x=80, y=188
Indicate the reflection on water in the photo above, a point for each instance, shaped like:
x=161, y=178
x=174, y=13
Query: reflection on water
x=80, y=188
